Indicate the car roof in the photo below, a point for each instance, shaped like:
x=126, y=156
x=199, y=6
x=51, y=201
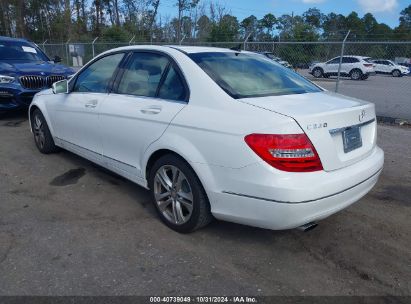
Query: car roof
x=359, y=57
x=4, y=38
x=184, y=49
x=201, y=49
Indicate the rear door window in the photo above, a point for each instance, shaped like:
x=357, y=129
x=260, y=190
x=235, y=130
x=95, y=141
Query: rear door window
x=172, y=87
x=334, y=61
x=143, y=74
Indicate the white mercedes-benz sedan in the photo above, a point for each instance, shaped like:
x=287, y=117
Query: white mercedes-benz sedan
x=214, y=133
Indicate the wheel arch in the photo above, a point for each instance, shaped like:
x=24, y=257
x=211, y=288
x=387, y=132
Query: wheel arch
x=31, y=110
x=203, y=173
x=356, y=69
x=156, y=155
x=185, y=151
x=396, y=70
x=319, y=68
x=41, y=107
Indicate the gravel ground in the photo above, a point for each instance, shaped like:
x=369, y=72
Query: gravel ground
x=68, y=227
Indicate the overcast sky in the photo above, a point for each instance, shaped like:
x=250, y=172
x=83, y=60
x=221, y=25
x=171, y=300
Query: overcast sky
x=387, y=11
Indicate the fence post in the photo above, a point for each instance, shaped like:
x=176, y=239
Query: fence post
x=339, y=66
x=67, y=52
x=44, y=47
x=131, y=40
x=92, y=45
x=245, y=41
x=182, y=39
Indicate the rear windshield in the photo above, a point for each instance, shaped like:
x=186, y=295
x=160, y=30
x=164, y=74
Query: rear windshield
x=20, y=51
x=244, y=75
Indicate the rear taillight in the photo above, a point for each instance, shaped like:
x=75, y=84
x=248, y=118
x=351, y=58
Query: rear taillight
x=368, y=65
x=290, y=152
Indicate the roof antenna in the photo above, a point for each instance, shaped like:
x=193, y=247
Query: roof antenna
x=236, y=48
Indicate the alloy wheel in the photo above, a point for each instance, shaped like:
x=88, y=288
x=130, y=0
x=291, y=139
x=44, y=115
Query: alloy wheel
x=173, y=194
x=317, y=73
x=355, y=75
x=39, y=132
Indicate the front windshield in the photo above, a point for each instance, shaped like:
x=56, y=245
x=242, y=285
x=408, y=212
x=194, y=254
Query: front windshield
x=20, y=51
x=244, y=75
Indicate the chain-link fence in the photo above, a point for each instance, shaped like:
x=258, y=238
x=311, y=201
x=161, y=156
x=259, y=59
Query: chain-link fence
x=389, y=60
x=300, y=55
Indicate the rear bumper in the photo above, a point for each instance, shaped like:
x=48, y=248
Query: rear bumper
x=281, y=200
x=277, y=216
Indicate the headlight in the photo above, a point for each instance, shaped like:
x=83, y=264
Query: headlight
x=6, y=79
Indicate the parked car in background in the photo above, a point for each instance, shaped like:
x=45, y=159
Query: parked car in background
x=408, y=66
x=277, y=59
x=215, y=133
x=24, y=71
x=384, y=66
x=355, y=67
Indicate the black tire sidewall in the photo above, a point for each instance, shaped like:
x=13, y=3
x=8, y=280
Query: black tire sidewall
x=49, y=145
x=196, y=188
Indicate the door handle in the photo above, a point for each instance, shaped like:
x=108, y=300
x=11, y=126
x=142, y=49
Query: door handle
x=91, y=104
x=151, y=110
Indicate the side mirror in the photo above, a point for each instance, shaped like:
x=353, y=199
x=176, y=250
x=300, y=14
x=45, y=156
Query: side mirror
x=60, y=87
x=57, y=59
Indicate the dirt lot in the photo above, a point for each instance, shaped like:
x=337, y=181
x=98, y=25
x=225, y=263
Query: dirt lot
x=68, y=227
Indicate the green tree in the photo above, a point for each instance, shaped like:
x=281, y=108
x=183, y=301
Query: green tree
x=249, y=25
x=225, y=30
x=334, y=27
x=314, y=17
x=183, y=5
x=204, y=26
x=269, y=22
x=405, y=18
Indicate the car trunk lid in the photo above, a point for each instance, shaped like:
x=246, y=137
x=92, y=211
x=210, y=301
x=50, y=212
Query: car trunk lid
x=341, y=128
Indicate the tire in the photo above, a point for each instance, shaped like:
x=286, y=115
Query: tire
x=42, y=136
x=318, y=72
x=396, y=73
x=178, y=196
x=356, y=74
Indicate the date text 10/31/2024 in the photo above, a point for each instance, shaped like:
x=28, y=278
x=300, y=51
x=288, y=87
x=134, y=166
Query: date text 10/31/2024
x=204, y=299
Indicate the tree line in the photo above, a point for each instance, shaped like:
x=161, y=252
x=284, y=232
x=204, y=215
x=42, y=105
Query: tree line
x=192, y=21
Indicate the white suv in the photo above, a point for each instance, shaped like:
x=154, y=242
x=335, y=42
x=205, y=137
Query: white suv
x=383, y=66
x=355, y=67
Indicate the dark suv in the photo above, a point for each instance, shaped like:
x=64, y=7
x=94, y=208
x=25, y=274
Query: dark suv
x=24, y=71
